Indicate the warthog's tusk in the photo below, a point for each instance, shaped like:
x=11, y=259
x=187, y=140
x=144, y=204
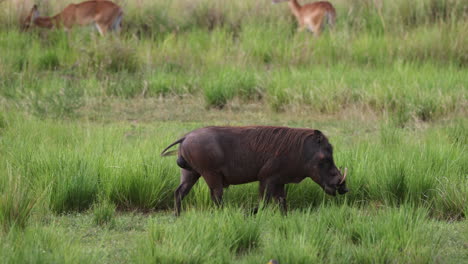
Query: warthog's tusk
x=344, y=176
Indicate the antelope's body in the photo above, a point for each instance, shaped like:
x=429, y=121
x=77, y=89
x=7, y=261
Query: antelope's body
x=105, y=15
x=312, y=16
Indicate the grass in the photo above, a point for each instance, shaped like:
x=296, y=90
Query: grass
x=16, y=201
x=220, y=86
x=104, y=212
x=328, y=234
x=80, y=163
x=83, y=119
x=403, y=181
x=42, y=245
x=250, y=52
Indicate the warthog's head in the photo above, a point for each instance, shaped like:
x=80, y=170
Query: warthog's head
x=324, y=171
x=331, y=178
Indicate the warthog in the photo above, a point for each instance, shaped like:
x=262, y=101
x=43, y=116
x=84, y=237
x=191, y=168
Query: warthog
x=274, y=156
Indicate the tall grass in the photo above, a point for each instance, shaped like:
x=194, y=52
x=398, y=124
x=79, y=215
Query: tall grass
x=41, y=245
x=213, y=239
x=78, y=164
x=104, y=212
x=220, y=86
x=160, y=16
x=250, y=50
x=16, y=200
x=335, y=234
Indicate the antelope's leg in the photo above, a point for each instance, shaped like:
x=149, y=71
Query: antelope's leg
x=98, y=27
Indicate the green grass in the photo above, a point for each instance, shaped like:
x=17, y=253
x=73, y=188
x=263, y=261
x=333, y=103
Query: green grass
x=76, y=164
x=326, y=235
x=104, y=213
x=41, y=245
x=403, y=181
x=16, y=201
x=222, y=85
x=242, y=50
x=83, y=120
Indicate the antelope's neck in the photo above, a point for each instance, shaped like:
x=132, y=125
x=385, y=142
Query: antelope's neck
x=57, y=20
x=47, y=22
x=295, y=8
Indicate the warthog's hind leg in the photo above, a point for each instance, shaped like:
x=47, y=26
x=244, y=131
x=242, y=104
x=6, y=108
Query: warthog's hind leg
x=187, y=180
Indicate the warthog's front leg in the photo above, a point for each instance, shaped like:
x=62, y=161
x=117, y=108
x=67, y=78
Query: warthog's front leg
x=280, y=196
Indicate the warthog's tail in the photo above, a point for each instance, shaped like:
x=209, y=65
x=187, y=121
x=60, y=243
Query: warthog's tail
x=164, y=153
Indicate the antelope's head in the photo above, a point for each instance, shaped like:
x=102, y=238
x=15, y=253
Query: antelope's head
x=29, y=20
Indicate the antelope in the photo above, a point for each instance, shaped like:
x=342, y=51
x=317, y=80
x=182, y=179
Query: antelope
x=313, y=15
x=105, y=15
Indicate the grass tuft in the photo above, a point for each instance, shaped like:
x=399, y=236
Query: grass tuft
x=104, y=213
x=48, y=61
x=74, y=184
x=220, y=86
x=16, y=201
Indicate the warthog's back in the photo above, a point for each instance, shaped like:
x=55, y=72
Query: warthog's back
x=240, y=153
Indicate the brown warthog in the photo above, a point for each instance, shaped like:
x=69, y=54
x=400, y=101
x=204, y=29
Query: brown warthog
x=274, y=156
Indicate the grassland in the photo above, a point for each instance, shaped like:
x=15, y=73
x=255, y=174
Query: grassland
x=84, y=118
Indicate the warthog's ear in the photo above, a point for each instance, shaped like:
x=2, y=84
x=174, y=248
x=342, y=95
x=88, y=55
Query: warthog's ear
x=318, y=136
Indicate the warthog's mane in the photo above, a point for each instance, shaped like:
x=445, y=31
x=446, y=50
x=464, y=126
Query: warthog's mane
x=280, y=140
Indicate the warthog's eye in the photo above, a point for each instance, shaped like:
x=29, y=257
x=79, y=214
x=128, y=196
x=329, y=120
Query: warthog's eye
x=324, y=164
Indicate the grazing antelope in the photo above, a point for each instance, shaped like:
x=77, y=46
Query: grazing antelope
x=313, y=15
x=105, y=15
